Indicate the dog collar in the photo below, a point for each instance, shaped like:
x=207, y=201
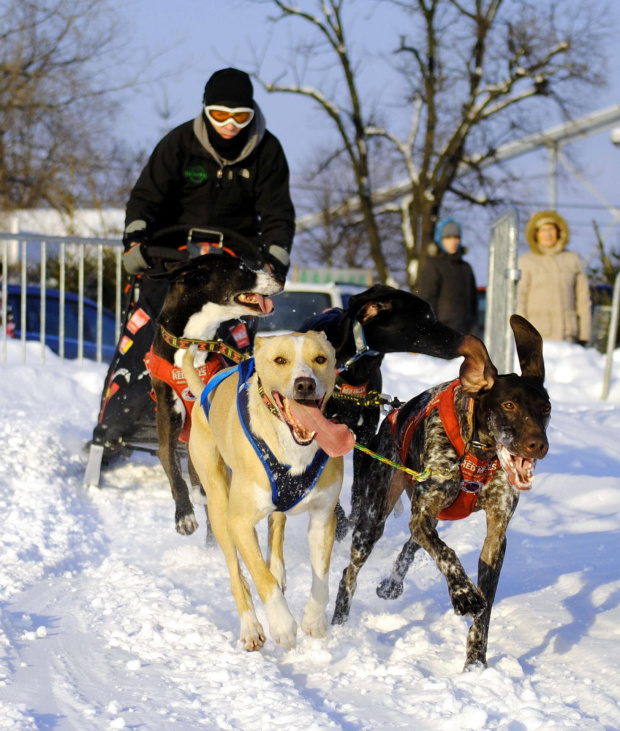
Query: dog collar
x=470, y=407
x=266, y=400
x=361, y=347
x=211, y=346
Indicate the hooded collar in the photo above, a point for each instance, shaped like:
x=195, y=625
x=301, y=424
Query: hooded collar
x=256, y=133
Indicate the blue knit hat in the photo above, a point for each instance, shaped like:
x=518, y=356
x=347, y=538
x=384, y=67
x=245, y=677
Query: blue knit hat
x=448, y=227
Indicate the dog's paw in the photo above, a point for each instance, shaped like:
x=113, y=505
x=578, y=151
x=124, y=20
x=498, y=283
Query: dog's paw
x=285, y=634
x=252, y=632
x=313, y=625
x=468, y=601
x=316, y=627
x=390, y=589
x=187, y=524
x=473, y=664
x=282, y=624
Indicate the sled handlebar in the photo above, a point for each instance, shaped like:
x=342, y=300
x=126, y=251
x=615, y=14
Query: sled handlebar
x=166, y=253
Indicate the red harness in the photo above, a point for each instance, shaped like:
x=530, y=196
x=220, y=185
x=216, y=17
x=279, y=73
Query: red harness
x=174, y=377
x=475, y=472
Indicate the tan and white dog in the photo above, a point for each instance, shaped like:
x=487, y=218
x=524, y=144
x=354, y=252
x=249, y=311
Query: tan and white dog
x=264, y=442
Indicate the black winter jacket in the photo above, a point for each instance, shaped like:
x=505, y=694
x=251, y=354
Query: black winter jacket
x=186, y=182
x=447, y=283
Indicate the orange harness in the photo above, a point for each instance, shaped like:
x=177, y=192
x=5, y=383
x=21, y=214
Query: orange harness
x=475, y=472
x=174, y=377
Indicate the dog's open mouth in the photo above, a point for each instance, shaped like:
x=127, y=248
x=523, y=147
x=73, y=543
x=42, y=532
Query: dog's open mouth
x=306, y=422
x=255, y=301
x=519, y=470
x=301, y=434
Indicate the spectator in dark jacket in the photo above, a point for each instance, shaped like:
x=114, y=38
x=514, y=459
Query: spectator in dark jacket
x=447, y=282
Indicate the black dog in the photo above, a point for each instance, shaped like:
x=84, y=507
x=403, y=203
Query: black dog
x=203, y=293
x=481, y=453
x=378, y=321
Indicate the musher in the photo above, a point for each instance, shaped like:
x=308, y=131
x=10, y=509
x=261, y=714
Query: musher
x=222, y=169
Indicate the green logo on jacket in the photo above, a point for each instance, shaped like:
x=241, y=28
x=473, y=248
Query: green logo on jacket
x=197, y=174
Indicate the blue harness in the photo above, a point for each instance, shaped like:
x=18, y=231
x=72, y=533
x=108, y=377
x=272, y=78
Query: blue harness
x=286, y=489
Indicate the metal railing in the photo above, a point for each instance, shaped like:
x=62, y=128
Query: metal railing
x=612, y=335
x=21, y=252
x=501, y=299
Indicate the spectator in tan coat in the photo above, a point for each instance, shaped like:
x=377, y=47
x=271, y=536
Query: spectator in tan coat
x=553, y=292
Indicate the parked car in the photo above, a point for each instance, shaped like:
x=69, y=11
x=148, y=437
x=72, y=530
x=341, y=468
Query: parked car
x=297, y=303
x=52, y=321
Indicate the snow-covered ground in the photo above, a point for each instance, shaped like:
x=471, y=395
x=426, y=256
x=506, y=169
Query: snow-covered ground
x=109, y=619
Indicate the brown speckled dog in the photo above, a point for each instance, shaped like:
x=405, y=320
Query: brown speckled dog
x=480, y=459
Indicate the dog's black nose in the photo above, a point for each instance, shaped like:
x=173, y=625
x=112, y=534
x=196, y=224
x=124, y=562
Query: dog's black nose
x=537, y=447
x=305, y=388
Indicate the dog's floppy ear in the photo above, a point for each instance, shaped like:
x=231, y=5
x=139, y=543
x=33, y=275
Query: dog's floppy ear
x=368, y=304
x=182, y=271
x=529, y=348
x=175, y=272
x=356, y=300
x=477, y=372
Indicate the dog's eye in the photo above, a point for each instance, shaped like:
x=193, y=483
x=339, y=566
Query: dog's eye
x=546, y=409
x=280, y=360
x=509, y=406
x=320, y=359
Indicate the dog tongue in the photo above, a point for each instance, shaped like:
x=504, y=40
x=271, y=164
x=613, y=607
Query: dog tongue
x=265, y=303
x=334, y=439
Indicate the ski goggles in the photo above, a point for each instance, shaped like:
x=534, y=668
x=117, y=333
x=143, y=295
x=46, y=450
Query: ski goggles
x=219, y=116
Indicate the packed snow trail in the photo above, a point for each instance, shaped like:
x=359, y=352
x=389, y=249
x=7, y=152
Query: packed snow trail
x=110, y=619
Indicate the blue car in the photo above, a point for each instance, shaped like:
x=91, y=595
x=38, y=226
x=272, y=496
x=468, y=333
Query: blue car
x=52, y=321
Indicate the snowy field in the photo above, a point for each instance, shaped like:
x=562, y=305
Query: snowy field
x=109, y=619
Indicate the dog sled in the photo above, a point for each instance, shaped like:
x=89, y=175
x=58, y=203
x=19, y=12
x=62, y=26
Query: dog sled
x=127, y=411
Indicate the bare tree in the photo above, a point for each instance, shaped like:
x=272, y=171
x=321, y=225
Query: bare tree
x=336, y=235
x=474, y=74
x=57, y=79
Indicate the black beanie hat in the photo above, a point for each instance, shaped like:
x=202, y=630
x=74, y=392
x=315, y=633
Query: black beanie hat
x=229, y=88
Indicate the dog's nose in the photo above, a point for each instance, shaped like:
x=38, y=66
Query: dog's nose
x=305, y=388
x=537, y=447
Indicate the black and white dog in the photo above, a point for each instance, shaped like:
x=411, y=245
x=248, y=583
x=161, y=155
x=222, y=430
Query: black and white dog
x=203, y=293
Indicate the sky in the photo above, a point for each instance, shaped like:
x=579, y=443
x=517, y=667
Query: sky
x=111, y=620
x=192, y=38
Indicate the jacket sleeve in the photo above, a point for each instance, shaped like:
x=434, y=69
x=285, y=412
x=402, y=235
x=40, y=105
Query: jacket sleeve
x=273, y=200
x=583, y=303
x=427, y=284
x=156, y=183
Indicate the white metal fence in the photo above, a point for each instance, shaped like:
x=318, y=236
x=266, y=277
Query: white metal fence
x=21, y=253
x=501, y=298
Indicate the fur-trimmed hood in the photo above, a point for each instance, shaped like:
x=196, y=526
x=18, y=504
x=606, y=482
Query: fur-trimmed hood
x=537, y=220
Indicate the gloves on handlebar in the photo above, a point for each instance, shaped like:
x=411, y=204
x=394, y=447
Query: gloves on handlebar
x=135, y=259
